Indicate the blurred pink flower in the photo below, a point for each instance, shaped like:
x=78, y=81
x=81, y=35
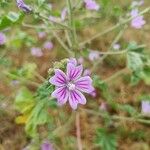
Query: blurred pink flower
x=103, y=106
x=134, y=4
x=48, y=45
x=24, y=7
x=2, y=38
x=46, y=145
x=93, y=93
x=94, y=55
x=86, y=72
x=134, y=12
x=64, y=14
x=53, y=19
x=146, y=108
x=41, y=35
x=137, y=3
x=80, y=60
x=36, y=51
x=91, y=5
x=69, y=86
x=138, y=22
x=116, y=46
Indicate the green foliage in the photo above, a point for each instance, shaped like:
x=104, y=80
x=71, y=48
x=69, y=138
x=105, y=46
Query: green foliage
x=106, y=140
x=38, y=116
x=10, y=19
x=35, y=108
x=135, y=57
x=41, y=2
x=27, y=72
x=24, y=101
x=138, y=62
x=100, y=84
x=129, y=109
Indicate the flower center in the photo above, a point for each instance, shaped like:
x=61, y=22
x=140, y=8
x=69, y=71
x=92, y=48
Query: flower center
x=71, y=86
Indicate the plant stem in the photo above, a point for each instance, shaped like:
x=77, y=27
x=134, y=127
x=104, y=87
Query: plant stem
x=103, y=57
x=116, y=75
x=73, y=35
x=112, y=28
x=78, y=131
x=115, y=117
x=26, y=81
x=62, y=43
x=60, y=131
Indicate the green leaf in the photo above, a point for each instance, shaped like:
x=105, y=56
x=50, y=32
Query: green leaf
x=107, y=141
x=135, y=78
x=24, y=101
x=98, y=83
x=129, y=109
x=145, y=75
x=10, y=19
x=38, y=116
x=134, y=61
x=41, y=2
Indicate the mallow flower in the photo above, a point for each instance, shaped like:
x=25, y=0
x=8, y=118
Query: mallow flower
x=24, y=7
x=36, y=51
x=94, y=55
x=146, y=108
x=46, y=145
x=116, y=46
x=91, y=5
x=48, y=45
x=2, y=38
x=138, y=20
x=70, y=85
x=64, y=14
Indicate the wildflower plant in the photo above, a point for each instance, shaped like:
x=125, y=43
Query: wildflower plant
x=61, y=89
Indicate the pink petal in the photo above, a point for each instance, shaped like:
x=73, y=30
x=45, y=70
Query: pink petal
x=73, y=61
x=76, y=97
x=61, y=94
x=74, y=72
x=84, y=84
x=59, y=79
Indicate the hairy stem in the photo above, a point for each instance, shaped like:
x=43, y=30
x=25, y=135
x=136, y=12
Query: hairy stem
x=78, y=131
x=112, y=28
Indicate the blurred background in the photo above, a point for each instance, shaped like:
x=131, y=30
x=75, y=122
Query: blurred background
x=29, y=46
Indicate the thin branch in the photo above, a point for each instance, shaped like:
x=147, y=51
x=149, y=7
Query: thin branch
x=112, y=28
x=78, y=131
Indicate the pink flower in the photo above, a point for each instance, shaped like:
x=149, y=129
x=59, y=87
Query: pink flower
x=94, y=55
x=116, y=46
x=146, y=108
x=53, y=19
x=64, y=14
x=41, y=35
x=134, y=12
x=24, y=7
x=2, y=38
x=138, y=22
x=93, y=93
x=103, y=106
x=87, y=72
x=91, y=5
x=48, y=45
x=80, y=60
x=136, y=3
x=69, y=86
x=46, y=146
x=35, y=51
